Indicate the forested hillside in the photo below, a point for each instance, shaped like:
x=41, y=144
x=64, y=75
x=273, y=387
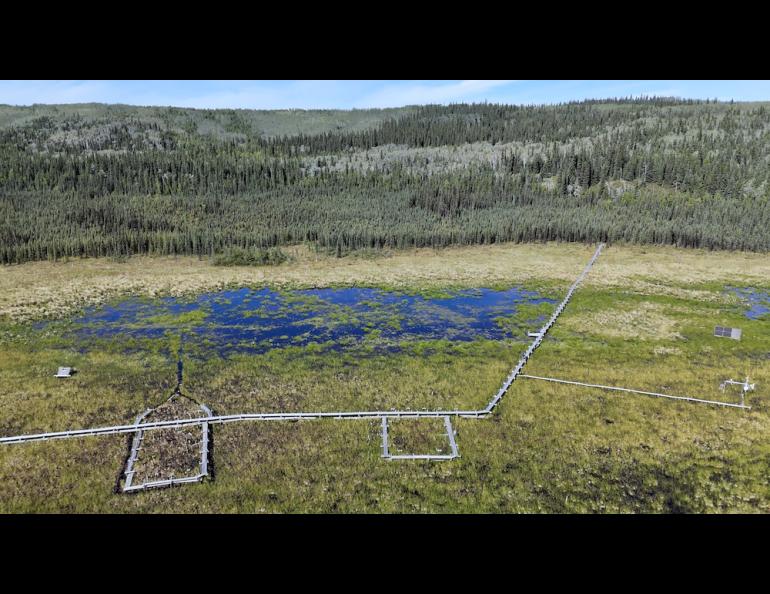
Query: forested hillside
x=97, y=180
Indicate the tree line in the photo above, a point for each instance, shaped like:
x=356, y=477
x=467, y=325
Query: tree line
x=686, y=173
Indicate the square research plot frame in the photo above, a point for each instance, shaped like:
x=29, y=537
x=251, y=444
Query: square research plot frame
x=450, y=436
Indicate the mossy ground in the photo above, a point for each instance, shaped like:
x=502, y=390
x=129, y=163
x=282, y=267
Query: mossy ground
x=418, y=437
x=547, y=448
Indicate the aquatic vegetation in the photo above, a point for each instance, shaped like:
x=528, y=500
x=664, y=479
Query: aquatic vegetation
x=180, y=319
x=255, y=320
x=38, y=290
x=757, y=300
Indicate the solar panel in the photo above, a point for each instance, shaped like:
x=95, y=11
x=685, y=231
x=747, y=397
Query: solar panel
x=727, y=332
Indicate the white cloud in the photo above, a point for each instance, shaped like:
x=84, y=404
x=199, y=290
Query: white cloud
x=300, y=94
x=398, y=95
x=27, y=92
x=251, y=98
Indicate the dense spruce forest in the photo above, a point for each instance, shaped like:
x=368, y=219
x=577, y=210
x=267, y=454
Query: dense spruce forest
x=97, y=180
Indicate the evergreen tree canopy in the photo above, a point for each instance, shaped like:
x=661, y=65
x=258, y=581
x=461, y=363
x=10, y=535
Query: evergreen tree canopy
x=163, y=181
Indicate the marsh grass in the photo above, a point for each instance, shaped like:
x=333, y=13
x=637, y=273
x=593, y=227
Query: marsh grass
x=418, y=436
x=167, y=453
x=428, y=375
x=50, y=289
x=108, y=388
x=547, y=448
x=187, y=318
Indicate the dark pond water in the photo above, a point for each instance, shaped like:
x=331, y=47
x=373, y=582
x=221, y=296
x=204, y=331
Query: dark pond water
x=757, y=301
x=256, y=320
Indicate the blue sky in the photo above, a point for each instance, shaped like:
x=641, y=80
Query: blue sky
x=328, y=94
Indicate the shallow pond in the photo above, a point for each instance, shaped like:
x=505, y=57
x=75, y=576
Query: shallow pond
x=256, y=320
x=758, y=301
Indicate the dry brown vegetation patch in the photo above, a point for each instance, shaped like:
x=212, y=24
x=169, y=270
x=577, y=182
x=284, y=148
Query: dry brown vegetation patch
x=40, y=289
x=644, y=321
x=170, y=453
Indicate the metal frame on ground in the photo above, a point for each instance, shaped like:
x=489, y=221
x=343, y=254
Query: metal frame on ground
x=449, y=433
x=129, y=487
x=656, y=394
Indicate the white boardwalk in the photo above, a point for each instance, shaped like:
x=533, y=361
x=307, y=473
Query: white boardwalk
x=656, y=394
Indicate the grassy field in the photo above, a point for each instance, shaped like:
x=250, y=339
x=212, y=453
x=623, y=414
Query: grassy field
x=44, y=289
x=643, y=319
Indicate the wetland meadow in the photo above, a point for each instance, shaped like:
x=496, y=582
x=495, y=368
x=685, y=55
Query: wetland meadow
x=406, y=329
